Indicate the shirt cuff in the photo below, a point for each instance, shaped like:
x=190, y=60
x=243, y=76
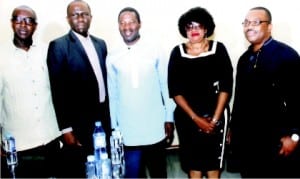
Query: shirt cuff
x=66, y=130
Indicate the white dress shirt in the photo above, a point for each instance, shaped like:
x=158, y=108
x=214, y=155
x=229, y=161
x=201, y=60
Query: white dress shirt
x=26, y=111
x=94, y=60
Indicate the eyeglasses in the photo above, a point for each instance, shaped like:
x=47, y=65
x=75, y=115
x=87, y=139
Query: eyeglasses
x=193, y=26
x=80, y=14
x=246, y=22
x=27, y=20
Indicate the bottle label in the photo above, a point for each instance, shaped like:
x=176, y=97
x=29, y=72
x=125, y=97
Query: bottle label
x=11, y=153
x=99, y=141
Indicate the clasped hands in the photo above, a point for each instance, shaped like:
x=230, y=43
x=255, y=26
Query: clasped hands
x=206, y=124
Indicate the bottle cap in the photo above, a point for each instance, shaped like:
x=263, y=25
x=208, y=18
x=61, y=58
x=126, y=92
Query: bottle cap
x=90, y=158
x=8, y=136
x=98, y=123
x=116, y=132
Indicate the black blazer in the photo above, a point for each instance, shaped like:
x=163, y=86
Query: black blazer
x=74, y=85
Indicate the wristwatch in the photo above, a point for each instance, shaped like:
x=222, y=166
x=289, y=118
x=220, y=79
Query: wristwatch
x=295, y=137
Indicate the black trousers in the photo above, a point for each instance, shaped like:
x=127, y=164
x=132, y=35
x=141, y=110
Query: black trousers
x=39, y=162
x=72, y=157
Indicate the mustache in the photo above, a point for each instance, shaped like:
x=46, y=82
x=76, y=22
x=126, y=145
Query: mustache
x=249, y=30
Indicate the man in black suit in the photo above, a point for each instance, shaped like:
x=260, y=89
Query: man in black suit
x=77, y=72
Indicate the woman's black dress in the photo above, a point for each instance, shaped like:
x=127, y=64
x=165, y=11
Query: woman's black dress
x=199, y=79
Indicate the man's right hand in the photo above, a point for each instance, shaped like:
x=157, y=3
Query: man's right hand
x=70, y=139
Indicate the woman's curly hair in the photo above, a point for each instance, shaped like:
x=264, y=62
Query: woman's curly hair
x=196, y=14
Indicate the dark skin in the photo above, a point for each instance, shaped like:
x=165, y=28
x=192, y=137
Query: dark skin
x=23, y=31
x=79, y=18
x=129, y=27
x=169, y=130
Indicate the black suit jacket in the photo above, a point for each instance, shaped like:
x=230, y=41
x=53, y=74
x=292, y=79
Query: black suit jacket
x=74, y=86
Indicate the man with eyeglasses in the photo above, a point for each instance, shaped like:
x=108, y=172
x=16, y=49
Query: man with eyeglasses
x=77, y=71
x=265, y=124
x=26, y=106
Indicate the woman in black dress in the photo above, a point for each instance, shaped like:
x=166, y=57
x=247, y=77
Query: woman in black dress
x=200, y=82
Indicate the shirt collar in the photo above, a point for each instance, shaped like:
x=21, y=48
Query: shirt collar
x=80, y=37
x=132, y=46
x=267, y=42
x=33, y=45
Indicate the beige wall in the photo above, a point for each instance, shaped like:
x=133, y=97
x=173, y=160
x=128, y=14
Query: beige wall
x=159, y=20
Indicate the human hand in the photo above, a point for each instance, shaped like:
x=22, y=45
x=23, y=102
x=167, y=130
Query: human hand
x=70, y=139
x=287, y=146
x=169, y=131
x=204, y=124
x=228, y=136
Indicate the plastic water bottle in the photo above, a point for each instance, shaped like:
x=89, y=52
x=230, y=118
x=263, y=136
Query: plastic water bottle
x=105, y=167
x=90, y=167
x=116, y=165
x=11, y=154
x=99, y=141
x=117, y=154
